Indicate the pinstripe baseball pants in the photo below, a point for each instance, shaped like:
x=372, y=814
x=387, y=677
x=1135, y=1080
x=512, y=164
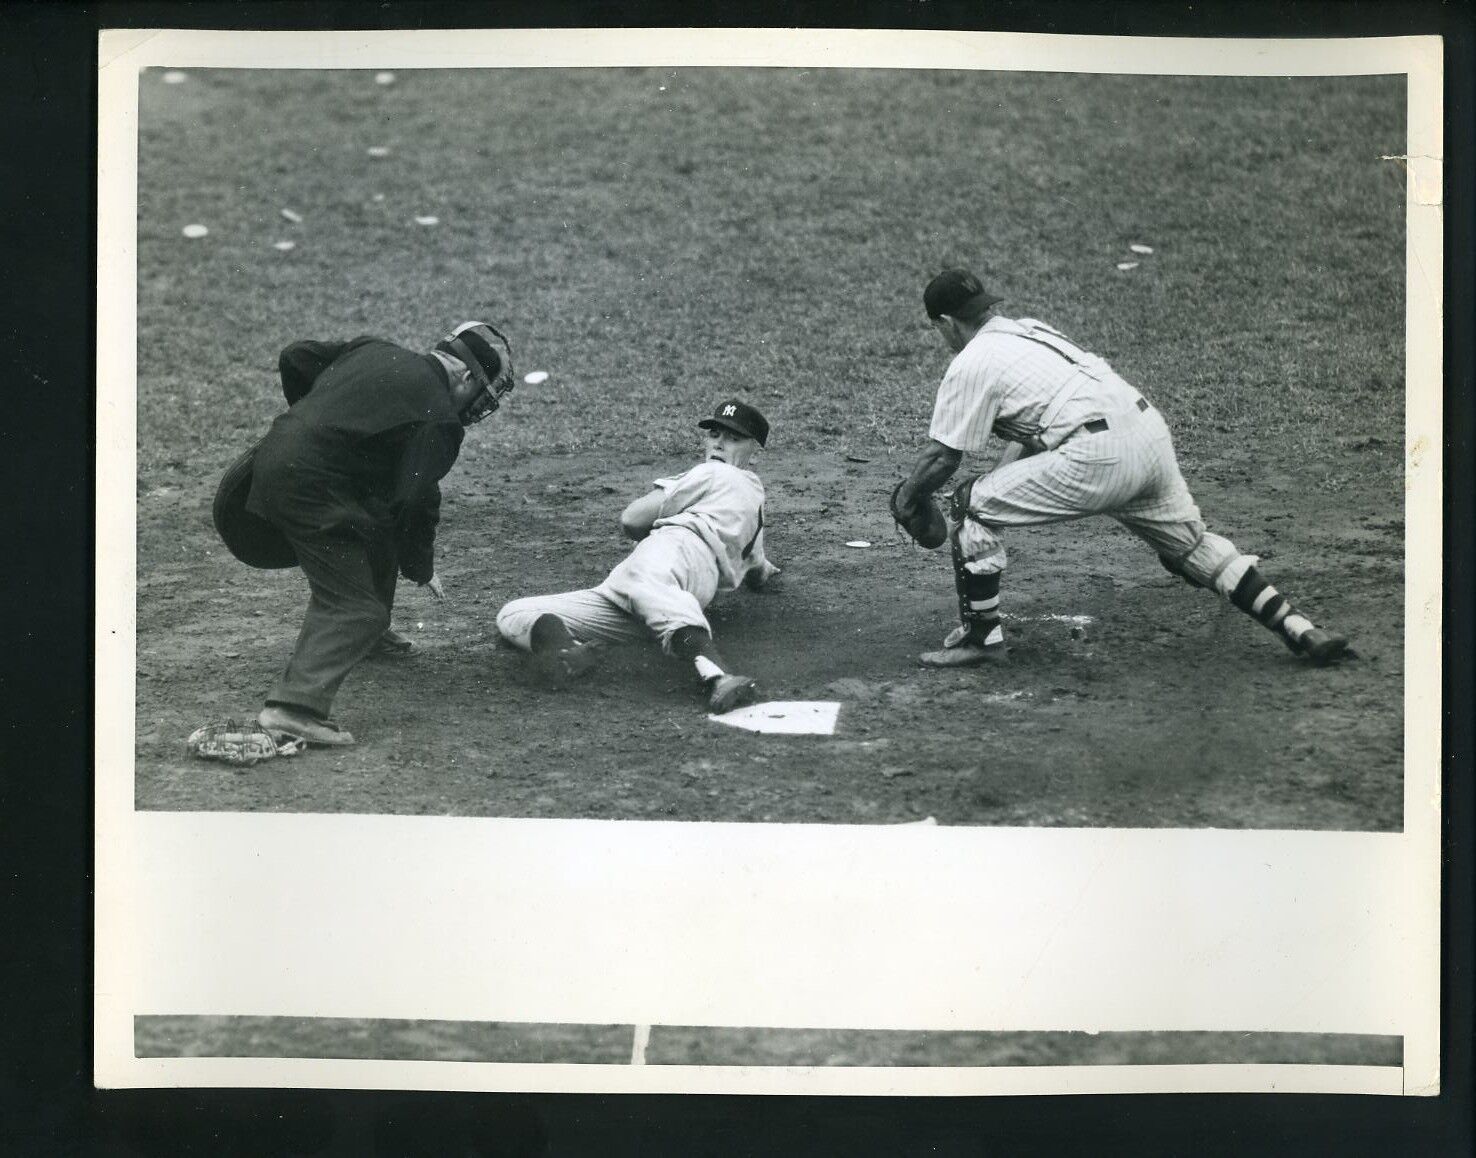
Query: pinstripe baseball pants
x=1127, y=471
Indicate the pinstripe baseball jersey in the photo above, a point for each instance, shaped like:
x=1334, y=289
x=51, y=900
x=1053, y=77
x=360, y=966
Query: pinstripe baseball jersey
x=1024, y=382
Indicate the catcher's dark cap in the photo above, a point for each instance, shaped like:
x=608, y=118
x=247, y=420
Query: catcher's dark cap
x=957, y=293
x=740, y=418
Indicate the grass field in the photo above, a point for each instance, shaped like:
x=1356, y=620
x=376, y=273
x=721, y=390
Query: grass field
x=491, y=1041
x=657, y=239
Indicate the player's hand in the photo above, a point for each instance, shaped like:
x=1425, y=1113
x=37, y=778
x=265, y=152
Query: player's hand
x=760, y=575
x=433, y=585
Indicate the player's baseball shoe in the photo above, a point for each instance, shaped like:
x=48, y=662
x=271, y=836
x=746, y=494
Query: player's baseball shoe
x=961, y=649
x=729, y=692
x=1321, y=647
x=392, y=645
x=280, y=719
x=562, y=665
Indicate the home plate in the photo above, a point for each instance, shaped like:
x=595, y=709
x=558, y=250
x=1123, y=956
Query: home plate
x=789, y=717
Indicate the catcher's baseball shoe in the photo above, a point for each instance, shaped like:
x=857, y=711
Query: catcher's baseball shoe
x=1322, y=647
x=962, y=649
x=562, y=665
x=729, y=692
x=279, y=719
x=393, y=644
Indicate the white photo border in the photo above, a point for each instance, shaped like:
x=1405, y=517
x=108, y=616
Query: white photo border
x=163, y=940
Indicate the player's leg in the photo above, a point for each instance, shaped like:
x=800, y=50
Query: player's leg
x=1080, y=478
x=560, y=631
x=666, y=582
x=345, y=617
x=1168, y=519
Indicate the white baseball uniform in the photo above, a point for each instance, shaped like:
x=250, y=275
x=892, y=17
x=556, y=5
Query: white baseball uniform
x=1099, y=448
x=708, y=536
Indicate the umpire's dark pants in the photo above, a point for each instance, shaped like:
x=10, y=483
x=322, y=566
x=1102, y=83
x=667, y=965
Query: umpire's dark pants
x=353, y=589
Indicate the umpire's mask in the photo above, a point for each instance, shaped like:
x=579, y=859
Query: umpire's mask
x=487, y=354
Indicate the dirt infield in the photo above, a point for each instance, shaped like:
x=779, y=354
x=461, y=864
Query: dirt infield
x=1266, y=326
x=1170, y=709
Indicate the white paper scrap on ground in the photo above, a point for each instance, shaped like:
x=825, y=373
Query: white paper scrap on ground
x=428, y=220
x=293, y=216
x=785, y=717
x=194, y=231
x=536, y=377
x=1136, y=248
x=1074, y=620
x=377, y=151
x=859, y=543
x=284, y=246
x=1127, y=265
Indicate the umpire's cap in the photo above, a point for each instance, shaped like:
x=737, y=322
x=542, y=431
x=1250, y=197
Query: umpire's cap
x=959, y=294
x=740, y=418
x=485, y=351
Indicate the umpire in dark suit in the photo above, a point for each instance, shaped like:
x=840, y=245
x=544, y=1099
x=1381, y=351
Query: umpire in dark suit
x=349, y=475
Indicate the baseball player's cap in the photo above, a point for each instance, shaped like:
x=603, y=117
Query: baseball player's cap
x=957, y=293
x=740, y=418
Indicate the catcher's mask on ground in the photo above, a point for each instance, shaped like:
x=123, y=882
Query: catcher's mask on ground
x=487, y=354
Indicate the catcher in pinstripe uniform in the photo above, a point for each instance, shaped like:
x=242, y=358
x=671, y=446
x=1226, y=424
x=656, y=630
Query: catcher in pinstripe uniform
x=1081, y=442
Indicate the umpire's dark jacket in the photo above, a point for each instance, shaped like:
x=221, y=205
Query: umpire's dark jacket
x=369, y=434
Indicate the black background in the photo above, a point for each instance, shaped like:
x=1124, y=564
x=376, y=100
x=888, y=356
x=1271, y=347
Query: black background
x=48, y=95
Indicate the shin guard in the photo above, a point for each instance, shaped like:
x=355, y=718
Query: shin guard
x=978, y=597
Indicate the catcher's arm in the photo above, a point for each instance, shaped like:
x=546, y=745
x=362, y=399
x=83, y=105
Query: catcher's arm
x=934, y=467
x=912, y=504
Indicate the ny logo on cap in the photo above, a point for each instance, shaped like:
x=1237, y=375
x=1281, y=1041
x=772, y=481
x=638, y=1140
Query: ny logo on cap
x=729, y=411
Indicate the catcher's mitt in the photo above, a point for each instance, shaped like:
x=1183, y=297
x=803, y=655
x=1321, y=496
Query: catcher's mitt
x=243, y=744
x=921, y=519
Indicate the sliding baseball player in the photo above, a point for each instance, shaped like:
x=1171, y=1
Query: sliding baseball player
x=697, y=533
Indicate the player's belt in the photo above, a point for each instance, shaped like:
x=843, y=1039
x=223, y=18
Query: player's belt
x=1098, y=425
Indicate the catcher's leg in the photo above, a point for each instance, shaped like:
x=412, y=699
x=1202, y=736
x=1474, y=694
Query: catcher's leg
x=979, y=637
x=1045, y=488
x=1170, y=523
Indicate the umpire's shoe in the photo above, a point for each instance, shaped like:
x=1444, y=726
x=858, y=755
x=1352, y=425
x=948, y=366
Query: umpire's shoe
x=729, y=692
x=1321, y=648
x=963, y=649
x=284, y=719
x=393, y=645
